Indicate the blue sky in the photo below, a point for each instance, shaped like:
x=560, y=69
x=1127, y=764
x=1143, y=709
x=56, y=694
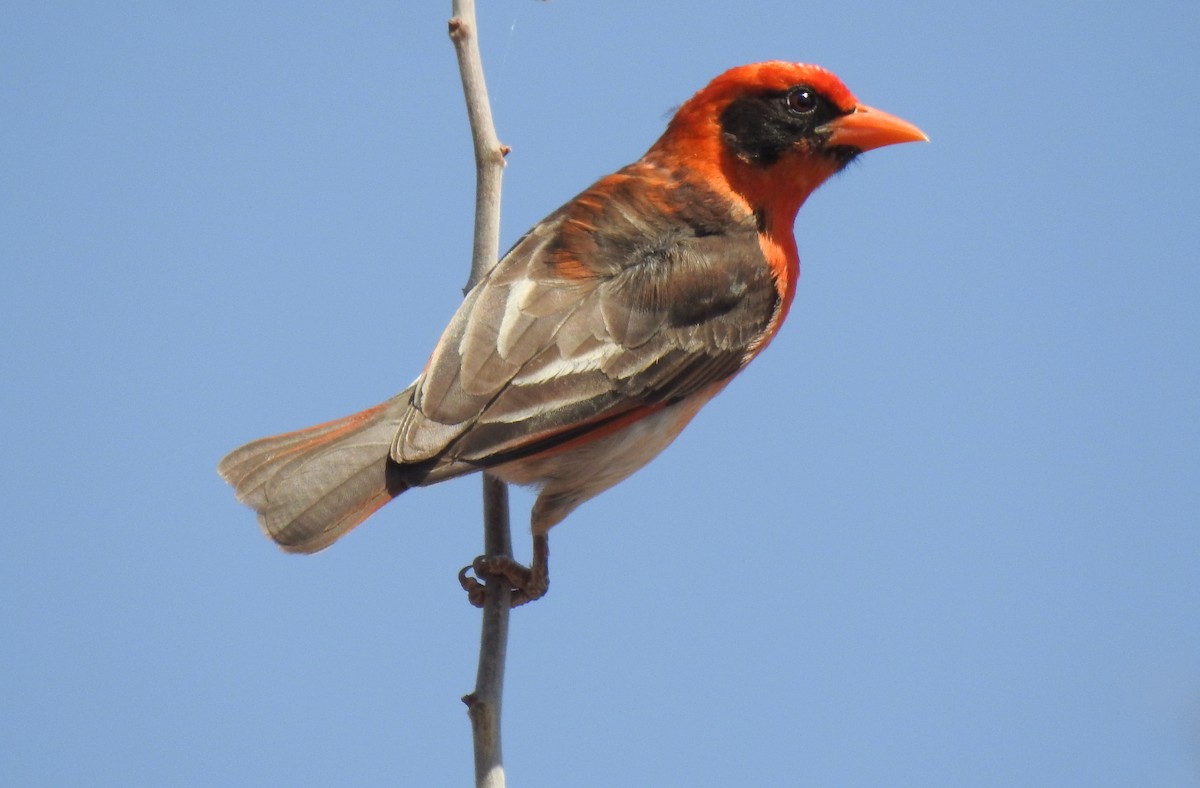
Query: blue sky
x=942, y=533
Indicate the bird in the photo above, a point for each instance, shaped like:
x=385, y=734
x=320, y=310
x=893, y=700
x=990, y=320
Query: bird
x=600, y=334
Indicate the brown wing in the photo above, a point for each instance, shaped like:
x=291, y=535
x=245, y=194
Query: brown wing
x=639, y=291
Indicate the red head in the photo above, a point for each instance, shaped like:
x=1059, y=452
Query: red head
x=773, y=132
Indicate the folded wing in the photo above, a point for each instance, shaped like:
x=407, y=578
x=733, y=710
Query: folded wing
x=638, y=292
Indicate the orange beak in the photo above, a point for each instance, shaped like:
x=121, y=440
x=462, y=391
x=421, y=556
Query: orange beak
x=866, y=128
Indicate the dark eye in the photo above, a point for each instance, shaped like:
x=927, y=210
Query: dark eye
x=801, y=100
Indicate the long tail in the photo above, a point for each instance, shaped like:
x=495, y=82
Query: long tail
x=311, y=486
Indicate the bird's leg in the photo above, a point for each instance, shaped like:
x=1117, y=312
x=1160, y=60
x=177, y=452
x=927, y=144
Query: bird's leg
x=528, y=583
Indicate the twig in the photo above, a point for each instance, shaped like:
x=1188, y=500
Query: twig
x=484, y=704
x=489, y=152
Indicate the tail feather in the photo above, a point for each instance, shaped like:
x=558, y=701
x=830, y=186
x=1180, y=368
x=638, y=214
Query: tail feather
x=311, y=486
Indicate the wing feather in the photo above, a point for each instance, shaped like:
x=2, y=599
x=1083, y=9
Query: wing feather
x=620, y=300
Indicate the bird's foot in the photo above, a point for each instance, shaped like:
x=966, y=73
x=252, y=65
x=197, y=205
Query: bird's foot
x=527, y=582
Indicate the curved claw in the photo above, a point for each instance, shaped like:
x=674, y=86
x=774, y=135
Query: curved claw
x=473, y=587
x=527, y=582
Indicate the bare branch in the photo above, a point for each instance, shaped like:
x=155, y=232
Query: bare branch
x=485, y=703
x=489, y=152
